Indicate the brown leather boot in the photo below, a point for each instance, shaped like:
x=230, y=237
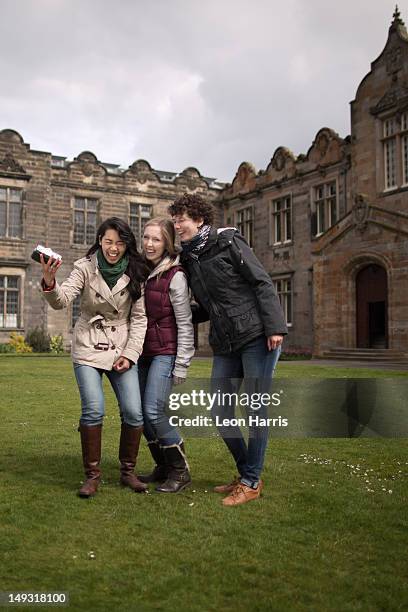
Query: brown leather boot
x=91, y=437
x=128, y=450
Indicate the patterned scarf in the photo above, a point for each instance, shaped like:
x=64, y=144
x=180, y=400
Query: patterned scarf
x=111, y=272
x=198, y=242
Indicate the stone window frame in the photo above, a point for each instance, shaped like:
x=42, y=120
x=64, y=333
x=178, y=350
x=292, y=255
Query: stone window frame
x=139, y=219
x=283, y=293
x=393, y=130
x=245, y=226
x=20, y=273
x=87, y=197
x=326, y=201
x=279, y=218
x=7, y=183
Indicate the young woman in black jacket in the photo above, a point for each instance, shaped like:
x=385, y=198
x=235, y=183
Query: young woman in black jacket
x=247, y=326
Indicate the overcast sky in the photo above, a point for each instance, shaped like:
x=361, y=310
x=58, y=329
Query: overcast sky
x=184, y=82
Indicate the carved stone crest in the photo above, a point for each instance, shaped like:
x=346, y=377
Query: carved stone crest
x=396, y=94
x=9, y=164
x=360, y=212
x=187, y=182
x=142, y=170
x=278, y=162
x=87, y=168
x=323, y=144
x=191, y=172
x=88, y=163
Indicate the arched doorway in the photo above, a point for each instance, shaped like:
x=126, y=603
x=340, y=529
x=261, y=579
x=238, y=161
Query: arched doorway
x=371, y=307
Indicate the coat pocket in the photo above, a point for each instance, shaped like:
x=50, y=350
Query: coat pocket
x=244, y=318
x=82, y=335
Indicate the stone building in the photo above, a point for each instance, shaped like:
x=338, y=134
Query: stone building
x=330, y=226
x=49, y=200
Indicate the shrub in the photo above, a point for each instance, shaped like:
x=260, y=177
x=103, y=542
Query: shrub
x=7, y=348
x=38, y=339
x=20, y=346
x=57, y=345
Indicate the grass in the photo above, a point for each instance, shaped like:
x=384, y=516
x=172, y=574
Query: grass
x=327, y=535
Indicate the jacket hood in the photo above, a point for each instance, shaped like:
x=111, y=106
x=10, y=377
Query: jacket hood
x=225, y=235
x=224, y=229
x=164, y=265
x=221, y=236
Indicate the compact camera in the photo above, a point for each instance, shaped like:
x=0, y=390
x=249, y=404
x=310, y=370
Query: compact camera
x=45, y=252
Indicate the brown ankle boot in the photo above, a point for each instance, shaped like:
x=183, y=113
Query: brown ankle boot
x=128, y=450
x=91, y=437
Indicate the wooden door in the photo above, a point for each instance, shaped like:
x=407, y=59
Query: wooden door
x=371, y=307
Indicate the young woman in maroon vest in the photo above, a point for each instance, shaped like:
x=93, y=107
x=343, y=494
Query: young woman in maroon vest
x=167, y=353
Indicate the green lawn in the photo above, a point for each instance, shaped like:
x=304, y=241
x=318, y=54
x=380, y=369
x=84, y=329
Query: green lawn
x=329, y=534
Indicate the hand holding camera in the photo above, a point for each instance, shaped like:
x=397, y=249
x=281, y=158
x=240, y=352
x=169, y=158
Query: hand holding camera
x=50, y=262
x=49, y=269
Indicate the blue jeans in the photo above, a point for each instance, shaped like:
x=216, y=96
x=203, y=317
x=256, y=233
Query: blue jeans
x=255, y=364
x=126, y=388
x=156, y=380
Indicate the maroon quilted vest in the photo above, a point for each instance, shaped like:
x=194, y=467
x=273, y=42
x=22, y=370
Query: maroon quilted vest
x=161, y=333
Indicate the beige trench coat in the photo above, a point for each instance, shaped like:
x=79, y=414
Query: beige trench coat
x=109, y=326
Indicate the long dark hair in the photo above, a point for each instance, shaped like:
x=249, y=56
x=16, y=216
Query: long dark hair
x=137, y=270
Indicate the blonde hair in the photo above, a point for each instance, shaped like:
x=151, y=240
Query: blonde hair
x=169, y=235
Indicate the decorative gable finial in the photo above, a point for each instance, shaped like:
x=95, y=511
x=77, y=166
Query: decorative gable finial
x=396, y=18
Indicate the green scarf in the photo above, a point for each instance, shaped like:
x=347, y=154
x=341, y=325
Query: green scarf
x=111, y=272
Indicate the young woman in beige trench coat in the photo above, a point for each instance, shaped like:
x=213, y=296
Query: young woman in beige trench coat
x=108, y=339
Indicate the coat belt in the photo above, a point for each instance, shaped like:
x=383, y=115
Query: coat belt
x=102, y=326
x=104, y=323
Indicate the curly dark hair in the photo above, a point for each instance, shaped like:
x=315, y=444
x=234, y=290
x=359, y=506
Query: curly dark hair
x=137, y=269
x=195, y=207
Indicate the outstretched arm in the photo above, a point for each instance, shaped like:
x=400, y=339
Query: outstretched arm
x=59, y=296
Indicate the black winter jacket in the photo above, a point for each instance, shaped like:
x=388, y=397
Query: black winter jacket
x=234, y=291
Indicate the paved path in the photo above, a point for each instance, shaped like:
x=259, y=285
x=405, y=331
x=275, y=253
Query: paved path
x=345, y=363
x=341, y=363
